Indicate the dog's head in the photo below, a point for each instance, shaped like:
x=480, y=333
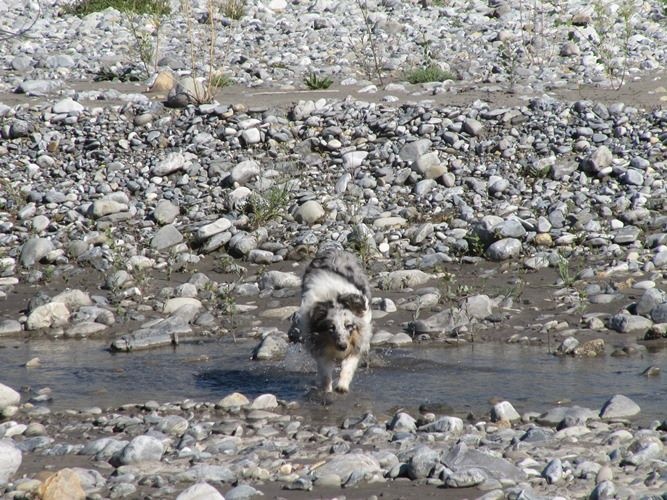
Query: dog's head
x=339, y=320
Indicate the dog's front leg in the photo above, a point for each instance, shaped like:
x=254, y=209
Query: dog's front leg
x=347, y=368
x=325, y=368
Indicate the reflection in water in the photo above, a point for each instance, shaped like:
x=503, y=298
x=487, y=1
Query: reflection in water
x=465, y=379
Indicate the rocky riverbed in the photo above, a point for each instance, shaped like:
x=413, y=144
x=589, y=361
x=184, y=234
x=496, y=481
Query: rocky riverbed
x=523, y=203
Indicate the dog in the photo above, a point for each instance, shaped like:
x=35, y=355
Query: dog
x=334, y=318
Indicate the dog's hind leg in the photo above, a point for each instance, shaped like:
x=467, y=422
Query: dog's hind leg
x=325, y=368
x=347, y=368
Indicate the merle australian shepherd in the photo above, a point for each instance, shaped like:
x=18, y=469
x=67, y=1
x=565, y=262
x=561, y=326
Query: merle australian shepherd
x=334, y=319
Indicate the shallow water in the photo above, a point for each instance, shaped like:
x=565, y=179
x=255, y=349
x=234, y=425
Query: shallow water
x=456, y=381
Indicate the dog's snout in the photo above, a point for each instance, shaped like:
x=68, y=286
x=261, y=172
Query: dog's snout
x=341, y=345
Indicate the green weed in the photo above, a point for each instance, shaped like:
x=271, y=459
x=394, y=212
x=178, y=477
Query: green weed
x=220, y=81
x=430, y=73
x=315, y=82
x=151, y=7
x=233, y=9
x=269, y=205
x=564, y=273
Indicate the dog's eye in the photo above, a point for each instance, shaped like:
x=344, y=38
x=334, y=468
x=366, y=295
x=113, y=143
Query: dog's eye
x=349, y=327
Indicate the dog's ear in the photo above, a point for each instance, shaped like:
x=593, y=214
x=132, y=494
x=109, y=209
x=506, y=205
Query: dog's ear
x=355, y=302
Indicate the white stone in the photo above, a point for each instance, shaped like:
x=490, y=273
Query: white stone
x=48, y=315
x=8, y=397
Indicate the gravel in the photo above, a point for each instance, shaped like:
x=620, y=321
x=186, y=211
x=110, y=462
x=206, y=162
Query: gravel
x=103, y=188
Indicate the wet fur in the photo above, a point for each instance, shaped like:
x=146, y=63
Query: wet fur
x=335, y=315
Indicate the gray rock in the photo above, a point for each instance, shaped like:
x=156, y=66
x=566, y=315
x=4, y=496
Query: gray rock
x=604, y=490
x=627, y=235
x=467, y=478
x=402, y=422
x=104, y=448
x=351, y=463
x=164, y=332
x=659, y=313
x=60, y=61
x=422, y=462
x=8, y=397
x=453, y=425
x=504, y=411
x=208, y=230
x=207, y=472
x=632, y=177
x=472, y=127
x=264, y=402
x=442, y=323
x=73, y=299
x=141, y=449
x=10, y=460
x=22, y=63
x=200, y=491
x=216, y=241
x=397, y=280
x=354, y=159
x=167, y=236
x=173, y=425
x=569, y=345
x=421, y=233
x=510, y=228
x=599, y=162
x=68, y=106
x=430, y=166
x=34, y=250
x=498, y=185
x=644, y=449
x=619, y=406
x=49, y=315
x=553, y=472
x=412, y=151
x=165, y=212
x=251, y=136
x=460, y=458
x=650, y=299
x=556, y=415
x=504, y=249
x=478, y=306
x=309, y=213
x=39, y=88
x=242, y=491
x=234, y=400
x=10, y=327
x=244, y=172
x=626, y=323
x=90, y=479
x=271, y=347
x=107, y=206
x=172, y=163
x=279, y=280
x=242, y=243
x=188, y=90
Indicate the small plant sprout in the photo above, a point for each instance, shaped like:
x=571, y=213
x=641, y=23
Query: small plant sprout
x=233, y=9
x=564, y=273
x=315, y=82
x=428, y=71
x=269, y=205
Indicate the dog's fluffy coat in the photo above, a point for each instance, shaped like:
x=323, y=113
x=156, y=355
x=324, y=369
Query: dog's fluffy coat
x=334, y=318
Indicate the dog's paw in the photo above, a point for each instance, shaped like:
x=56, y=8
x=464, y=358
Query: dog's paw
x=340, y=389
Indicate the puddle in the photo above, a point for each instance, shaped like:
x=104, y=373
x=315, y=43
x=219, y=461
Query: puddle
x=457, y=381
